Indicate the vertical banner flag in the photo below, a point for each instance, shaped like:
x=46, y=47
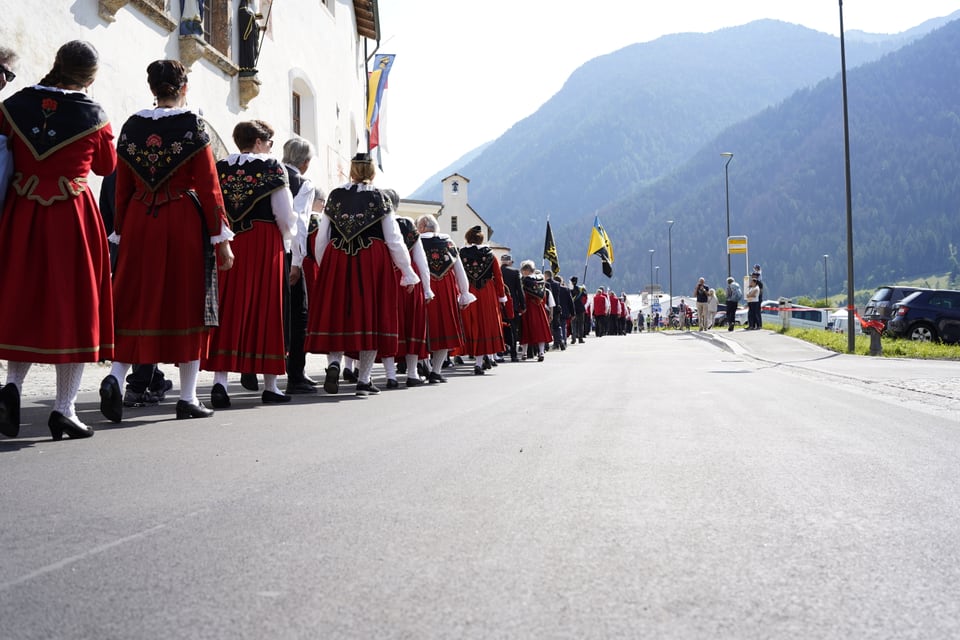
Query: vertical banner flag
x=376, y=88
x=550, y=251
x=600, y=245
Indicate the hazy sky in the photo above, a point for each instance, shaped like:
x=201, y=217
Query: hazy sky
x=467, y=70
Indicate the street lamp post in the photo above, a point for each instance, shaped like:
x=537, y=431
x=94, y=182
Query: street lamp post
x=670, y=262
x=726, y=180
x=851, y=338
x=657, y=281
x=651, y=277
x=826, y=303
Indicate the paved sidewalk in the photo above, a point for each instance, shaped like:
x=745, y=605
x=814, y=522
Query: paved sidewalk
x=933, y=383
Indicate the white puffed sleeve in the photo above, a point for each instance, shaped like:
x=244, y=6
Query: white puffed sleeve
x=398, y=250
x=461, y=275
x=420, y=260
x=323, y=238
x=281, y=201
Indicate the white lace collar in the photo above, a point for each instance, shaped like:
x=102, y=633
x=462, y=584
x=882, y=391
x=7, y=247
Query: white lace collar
x=44, y=87
x=359, y=186
x=161, y=112
x=243, y=158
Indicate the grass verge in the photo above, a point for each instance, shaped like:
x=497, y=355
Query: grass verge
x=892, y=348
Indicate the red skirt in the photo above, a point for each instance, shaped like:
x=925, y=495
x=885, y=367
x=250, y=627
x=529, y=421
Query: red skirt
x=353, y=302
x=250, y=336
x=535, y=327
x=482, y=326
x=444, y=326
x=411, y=320
x=56, y=278
x=158, y=286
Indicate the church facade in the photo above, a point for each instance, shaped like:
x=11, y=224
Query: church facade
x=299, y=65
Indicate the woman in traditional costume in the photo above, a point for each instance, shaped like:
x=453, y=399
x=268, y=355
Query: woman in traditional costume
x=358, y=244
x=169, y=208
x=260, y=209
x=451, y=290
x=482, y=322
x=535, y=329
x=53, y=248
x=411, y=306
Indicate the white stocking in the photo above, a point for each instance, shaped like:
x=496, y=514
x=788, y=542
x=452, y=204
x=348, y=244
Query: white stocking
x=390, y=367
x=270, y=383
x=17, y=372
x=366, y=365
x=69, y=377
x=437, y=361
x=412, y=373
x=188, y=381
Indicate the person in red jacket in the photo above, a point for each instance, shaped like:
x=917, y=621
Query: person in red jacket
x=613, y=318
x=601, y=308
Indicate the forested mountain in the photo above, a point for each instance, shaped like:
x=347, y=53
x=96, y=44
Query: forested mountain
x=627, y=118
x=643, y=128
x=787, y=184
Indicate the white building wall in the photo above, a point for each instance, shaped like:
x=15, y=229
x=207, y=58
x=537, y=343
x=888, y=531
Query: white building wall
x=306, y=45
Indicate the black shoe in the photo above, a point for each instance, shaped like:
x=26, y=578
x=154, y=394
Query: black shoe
x=486, y=363
x=367, y=389
x=402, y=366
x=422, y=370
x=392, y=384
x=331, y=383
x=349, y=375
x=581, y=341
x=60, y=424
x=186, y=410
x=434, y=378
x=414, y=382
x=457, y=360
x=270, y=397
x=300, y=387
x=478, y=371
x=111, y=401
x=446, y=364
x=159, y=392
x=10, y=411
x=514, y=359
x=310, y=381
x=219, y=398
x=249, y=381
x=540, y=358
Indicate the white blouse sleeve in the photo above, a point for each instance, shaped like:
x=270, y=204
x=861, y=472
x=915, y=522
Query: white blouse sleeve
x=281, y=201
x=461, y=275
x=398, y=250
x=420, y=260
x=323, y=238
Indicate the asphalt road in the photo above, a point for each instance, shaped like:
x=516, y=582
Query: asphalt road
x=632, y=487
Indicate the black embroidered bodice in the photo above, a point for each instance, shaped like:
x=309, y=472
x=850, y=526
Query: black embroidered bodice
x=49, y=120
x=478, y=263
x=409, y=232
x=441, y=255
x=355, y=217
x=155, y=149
x=246, y=190
x=535, y=286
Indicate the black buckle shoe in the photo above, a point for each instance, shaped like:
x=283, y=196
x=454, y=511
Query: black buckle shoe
x=10, y=410
x=111, y=400
x=186, y=410
x=219, y=398
x=269, y=397
x=331, y=383
x=367, y=389
x=60, y=424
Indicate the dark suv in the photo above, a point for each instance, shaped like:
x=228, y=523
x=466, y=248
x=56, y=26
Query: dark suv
x=880, y=305
x=931, y=315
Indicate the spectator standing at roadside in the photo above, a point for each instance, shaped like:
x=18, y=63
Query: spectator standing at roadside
x=712, y=304
x=753, y=305
x=702, y=292
x=734, y=294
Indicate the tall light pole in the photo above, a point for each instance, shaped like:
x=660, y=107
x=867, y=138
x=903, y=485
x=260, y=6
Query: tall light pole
x=826, y=303
x=670, y=262
x=651, y=277
x=851, y=337
x=657, y=281
x=726, y=180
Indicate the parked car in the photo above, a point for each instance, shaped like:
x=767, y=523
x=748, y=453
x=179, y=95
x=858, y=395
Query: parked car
x=720, y=320
x=930, y=315
x=880, y=305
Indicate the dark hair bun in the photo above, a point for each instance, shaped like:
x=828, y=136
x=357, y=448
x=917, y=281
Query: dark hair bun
x=166, y=77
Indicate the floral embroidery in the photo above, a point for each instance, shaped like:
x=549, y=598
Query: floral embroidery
x=153, y=157
x=48, y=106
x=478, y=263
x=440, y=256
x=241, y=188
